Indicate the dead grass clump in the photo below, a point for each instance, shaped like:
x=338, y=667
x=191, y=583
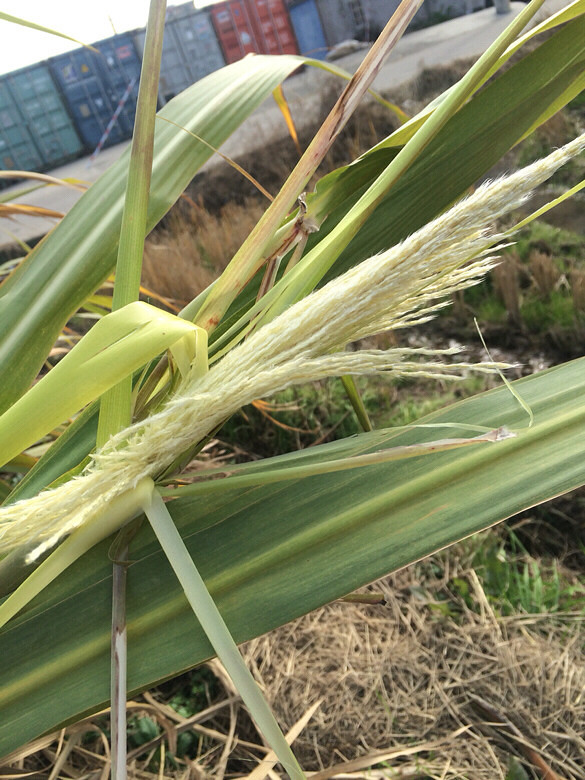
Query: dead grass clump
x=544, y=272
x=431, y=82
x=577, y=280
x=184, y=257
x=507, y=286
x=401, y=675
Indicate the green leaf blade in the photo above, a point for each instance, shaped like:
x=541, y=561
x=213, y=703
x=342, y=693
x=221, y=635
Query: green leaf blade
x=270, y=554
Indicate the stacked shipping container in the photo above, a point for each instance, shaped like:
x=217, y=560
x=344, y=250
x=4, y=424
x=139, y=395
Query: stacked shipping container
x=190, y=49
x=93, y=83
x=52, y=112
x=36, y=131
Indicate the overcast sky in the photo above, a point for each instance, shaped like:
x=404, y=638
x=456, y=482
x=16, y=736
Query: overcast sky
x=86, y=20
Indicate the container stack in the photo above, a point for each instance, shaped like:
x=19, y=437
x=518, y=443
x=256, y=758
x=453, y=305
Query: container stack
x=78, y=102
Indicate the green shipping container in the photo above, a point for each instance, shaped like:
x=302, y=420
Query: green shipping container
x=36, y=131
x=17, y=148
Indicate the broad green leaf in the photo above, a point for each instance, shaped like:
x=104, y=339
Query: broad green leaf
x=117, y=345
x=272, y=553
x=572, y=11
x=473, y=141
x=79, y=254
x=320, y=203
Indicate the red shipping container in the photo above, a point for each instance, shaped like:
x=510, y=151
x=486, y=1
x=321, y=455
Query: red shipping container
x=234, y=29
x=261, y=26
x=272, y=26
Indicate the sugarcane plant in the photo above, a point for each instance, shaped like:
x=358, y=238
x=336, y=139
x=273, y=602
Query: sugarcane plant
x=377, y=245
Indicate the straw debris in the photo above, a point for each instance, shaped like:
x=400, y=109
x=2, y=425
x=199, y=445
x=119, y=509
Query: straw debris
x=402, y=674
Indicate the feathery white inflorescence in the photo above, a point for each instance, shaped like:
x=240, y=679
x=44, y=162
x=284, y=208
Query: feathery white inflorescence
x=399, y=287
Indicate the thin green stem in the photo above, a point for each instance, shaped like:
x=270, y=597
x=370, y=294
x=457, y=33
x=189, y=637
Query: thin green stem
x=116, y=404
x=218, y=633
x=270, y=476
x=357, y=403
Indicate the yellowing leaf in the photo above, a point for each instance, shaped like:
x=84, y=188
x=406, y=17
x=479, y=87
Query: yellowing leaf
x=115, y=347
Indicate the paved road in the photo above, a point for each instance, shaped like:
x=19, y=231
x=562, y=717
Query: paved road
x=466, y=36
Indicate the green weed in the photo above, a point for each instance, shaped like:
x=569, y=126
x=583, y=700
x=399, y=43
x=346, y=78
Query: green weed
x=515, y=582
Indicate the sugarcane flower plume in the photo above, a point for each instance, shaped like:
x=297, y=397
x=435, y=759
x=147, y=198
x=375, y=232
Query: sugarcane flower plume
x=401, y=286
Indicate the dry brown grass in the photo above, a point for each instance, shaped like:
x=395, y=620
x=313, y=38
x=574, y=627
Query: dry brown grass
x=545, y=273
x=400, y=675
x=506, y=285
x=184, y=257
x=577, y=281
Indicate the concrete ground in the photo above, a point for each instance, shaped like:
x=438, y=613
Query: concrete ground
x=441, y=44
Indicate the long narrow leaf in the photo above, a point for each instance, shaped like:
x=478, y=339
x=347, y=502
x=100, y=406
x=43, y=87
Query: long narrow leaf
x=34, y=26
x=114, y=348
x=116, y=403
x=269, y=554
x=215, y=628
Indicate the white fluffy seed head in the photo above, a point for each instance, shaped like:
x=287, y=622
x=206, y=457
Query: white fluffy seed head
x=401, y=286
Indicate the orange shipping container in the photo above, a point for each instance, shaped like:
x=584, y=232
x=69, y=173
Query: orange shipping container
x=261, y=26
x=234, y=29
x=273, y=27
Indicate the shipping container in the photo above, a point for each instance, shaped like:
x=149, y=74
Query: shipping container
x=17, y=148
x=308, y=29
x=44, y=119
x=272, y=25
x=120, y=64
x=234, y=29
x=376, y=14
x=245, y=26
x=342, y=20
x=197, y=42
x=190, y=49
x=93, y=84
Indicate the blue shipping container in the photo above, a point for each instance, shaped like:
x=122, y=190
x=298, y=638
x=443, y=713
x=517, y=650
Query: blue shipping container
x=308, y=29
x=94, y=83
